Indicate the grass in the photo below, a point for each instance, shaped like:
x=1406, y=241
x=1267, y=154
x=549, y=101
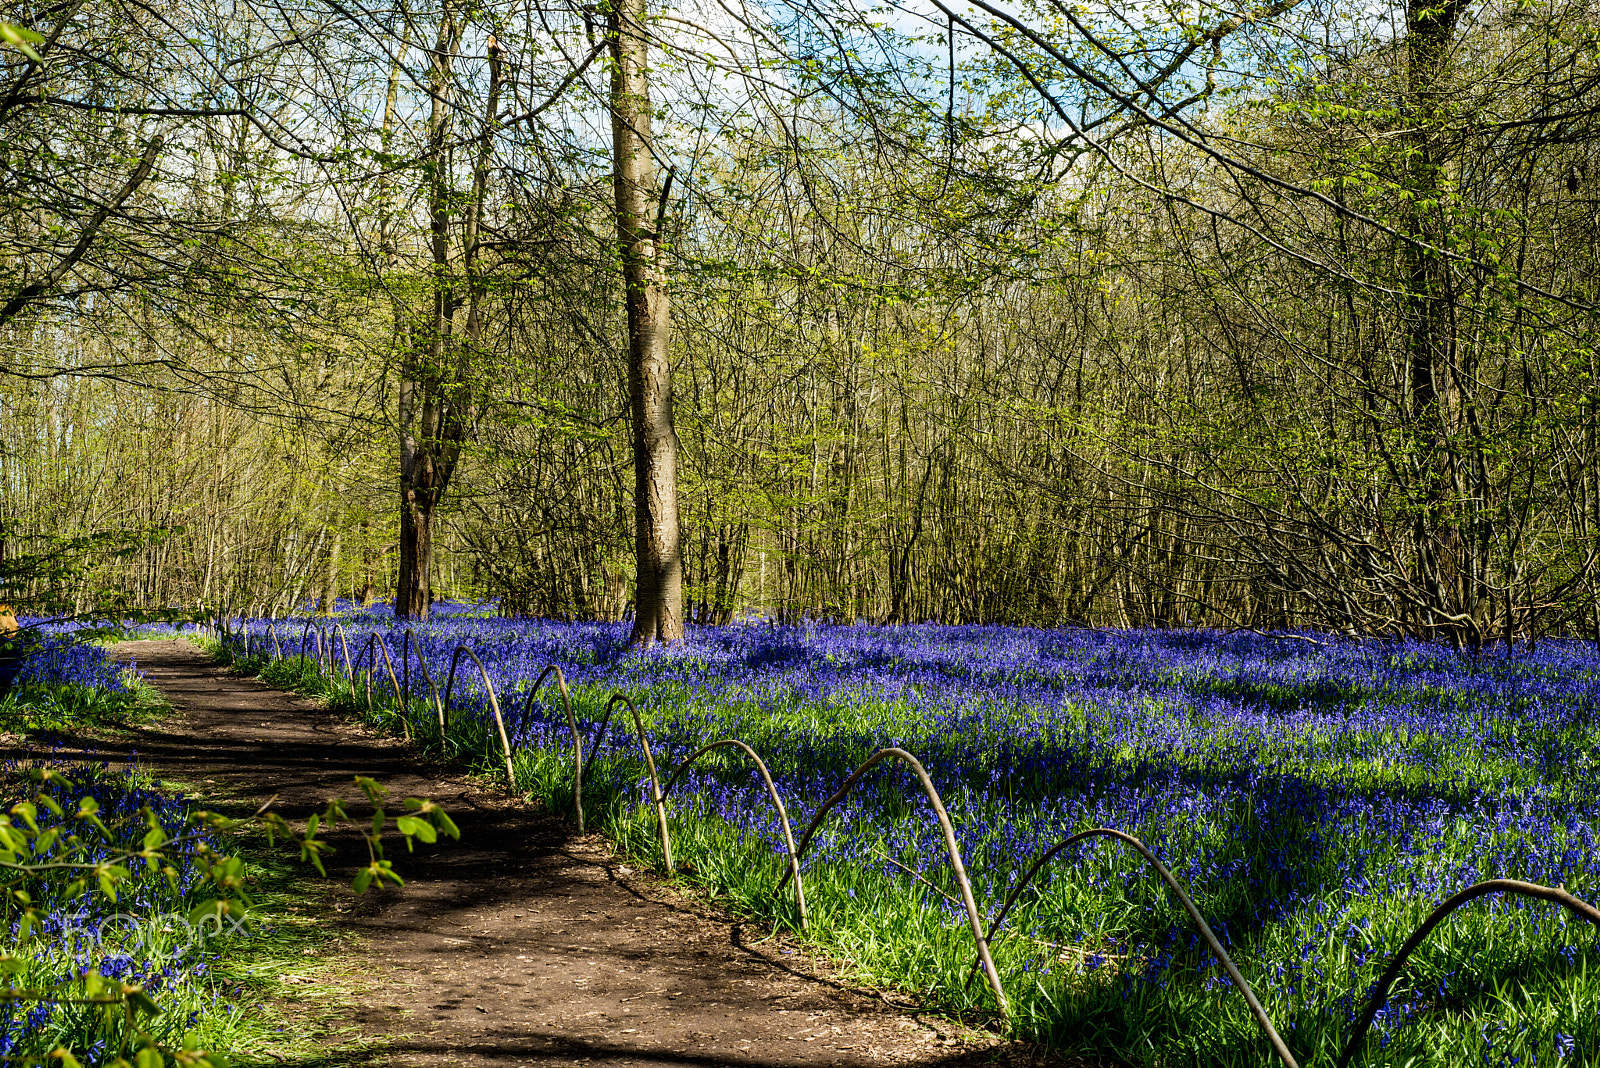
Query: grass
x=32, y=708
x=283, y=988
x=244, y=991
x=1316, y=820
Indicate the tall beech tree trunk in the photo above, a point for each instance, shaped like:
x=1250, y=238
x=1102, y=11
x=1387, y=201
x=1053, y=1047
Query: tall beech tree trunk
x=369, y=561
x=658, y=598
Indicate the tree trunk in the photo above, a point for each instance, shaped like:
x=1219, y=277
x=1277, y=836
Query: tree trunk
x=658, y=598
x=330, y=587
x=434, y=408
x=414, y=588
x=1430, y=330
x=369, y=592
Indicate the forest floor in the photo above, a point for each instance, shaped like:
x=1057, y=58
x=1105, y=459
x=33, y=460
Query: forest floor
x=523, y=943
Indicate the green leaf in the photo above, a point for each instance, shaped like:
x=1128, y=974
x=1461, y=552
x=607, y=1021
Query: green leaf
x=312, y=851
x=22, y=39
x=205, y=910
x=411, y=825
x=446, y=824
x=140, y=1000
x=27, y=811
x=203, y=1059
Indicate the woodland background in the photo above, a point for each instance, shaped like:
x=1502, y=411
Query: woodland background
x=1169, y=314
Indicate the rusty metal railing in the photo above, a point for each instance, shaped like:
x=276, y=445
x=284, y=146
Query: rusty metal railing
x=305, y=632
x=376, y=641
x=1260, y=1014
x=427, y=676
x=968, y=901
x=344, y=646
x=1380, y=992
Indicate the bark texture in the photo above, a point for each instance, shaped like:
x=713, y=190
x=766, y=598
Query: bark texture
x=1443, y=558
x=436, y=408
x=658, y=599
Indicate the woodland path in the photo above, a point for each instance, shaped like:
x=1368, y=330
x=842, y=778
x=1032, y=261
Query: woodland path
x=523, y=943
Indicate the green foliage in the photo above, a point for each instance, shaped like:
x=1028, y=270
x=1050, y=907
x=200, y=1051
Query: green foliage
x=83, y=855
x=30, y=707
x=55, y=576
x=22, y=39
x=85, y=843
x=297, y=673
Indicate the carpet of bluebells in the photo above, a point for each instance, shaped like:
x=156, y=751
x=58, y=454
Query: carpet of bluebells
x=140, y=937
x=55, y=659
x=194, y=972
x=1318, y=798
x=49, y=681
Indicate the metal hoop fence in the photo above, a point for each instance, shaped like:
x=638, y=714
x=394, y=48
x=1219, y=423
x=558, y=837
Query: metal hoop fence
x=981, y=938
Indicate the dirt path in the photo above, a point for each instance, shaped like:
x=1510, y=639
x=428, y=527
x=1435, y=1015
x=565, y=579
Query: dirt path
x=522, y=944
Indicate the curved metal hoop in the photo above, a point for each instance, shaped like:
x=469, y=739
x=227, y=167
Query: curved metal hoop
x=305, y=632
x=605, y=724
x=1260, y=1014
x=1380, y=993
x=399, y=698
x=656, y=798
x=422, y=662
x=343, y=645
x=599, y=736
x=777, y=802
x=405, y=662
x=449, y=688
x=572, y=725
x=950, y=846
x=494, y=703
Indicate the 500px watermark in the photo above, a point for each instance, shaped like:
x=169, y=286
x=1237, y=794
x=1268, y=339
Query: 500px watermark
x=123, y=933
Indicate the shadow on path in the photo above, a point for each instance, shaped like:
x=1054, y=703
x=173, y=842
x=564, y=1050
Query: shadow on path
x=523, y=943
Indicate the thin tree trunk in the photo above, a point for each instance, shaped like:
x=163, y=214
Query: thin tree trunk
x=330, y=587
x=369, y=593
x=1430, y=335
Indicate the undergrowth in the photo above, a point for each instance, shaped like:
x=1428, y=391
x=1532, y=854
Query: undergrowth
x=94, y=970
x=1316, y=831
